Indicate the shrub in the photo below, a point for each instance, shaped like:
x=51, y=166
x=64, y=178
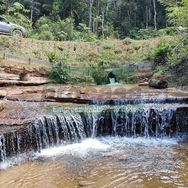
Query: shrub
x=46, y=35
x=52, y=57
x=168, y=31
x=150, y=33
x=59, y=73
x=127, y=41
x=99, y=75
x=107, y=47
x=86, y=36
x=18, y=14
x=161, y=53
x=43, y=29
x=64, y=29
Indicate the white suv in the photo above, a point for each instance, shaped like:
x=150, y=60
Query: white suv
x=8, y=28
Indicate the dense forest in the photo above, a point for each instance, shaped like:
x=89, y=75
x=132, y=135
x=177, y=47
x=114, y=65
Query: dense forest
x=91, y=19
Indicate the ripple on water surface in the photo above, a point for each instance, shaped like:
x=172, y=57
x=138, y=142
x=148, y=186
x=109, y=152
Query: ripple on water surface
x=106, y=163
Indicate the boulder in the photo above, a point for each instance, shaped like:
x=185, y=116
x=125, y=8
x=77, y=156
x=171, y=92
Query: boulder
x=158, y=84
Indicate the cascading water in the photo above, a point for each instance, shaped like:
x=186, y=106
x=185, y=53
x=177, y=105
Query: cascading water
x=71, y=127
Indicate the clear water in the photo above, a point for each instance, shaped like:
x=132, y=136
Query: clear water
x=109, y=162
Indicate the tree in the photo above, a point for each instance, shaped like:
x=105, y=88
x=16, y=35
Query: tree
x=155, y=14
x=178, y=15
x=90, y=14
x=6, y=5
x=177, y=12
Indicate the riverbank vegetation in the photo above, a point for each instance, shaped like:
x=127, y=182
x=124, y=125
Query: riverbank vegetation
x=97, y=35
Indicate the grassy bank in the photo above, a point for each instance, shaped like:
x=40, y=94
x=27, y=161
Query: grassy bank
x=111, y=52
x=99, y=55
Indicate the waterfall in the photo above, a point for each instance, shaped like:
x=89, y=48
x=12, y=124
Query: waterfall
x=72, y=127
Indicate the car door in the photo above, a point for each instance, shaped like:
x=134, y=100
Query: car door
x=5, y=27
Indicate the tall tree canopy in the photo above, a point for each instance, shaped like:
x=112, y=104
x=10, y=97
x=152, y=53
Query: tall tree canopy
x=101, y=16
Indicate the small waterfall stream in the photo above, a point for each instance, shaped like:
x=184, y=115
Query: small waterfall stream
x=72, y=127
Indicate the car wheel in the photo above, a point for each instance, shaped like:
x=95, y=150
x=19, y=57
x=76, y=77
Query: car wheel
x=17, y=33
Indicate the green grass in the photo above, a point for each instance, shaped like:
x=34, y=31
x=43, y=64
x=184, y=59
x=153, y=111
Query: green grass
x=112, y=52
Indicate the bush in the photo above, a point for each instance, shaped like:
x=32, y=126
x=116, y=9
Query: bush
x=19, y=15
x=150, y=33
x=99, y=75
x=86, y=36
x=169, y=31
x=127, y=41
x=62, y=30
x=161, y=53
x=107, y=47
x=46, y=35
x=59, y=73
x=52, y=57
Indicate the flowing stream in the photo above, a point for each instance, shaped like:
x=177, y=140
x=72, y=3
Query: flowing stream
x=99, y=147
x=106, y=162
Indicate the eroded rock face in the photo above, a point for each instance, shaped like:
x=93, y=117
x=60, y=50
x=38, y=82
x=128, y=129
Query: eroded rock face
x=18, y=75
x=90, y=94
x=22, y=106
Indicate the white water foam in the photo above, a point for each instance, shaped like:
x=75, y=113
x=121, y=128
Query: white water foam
x=123, y=141
x=79, y=149
x=90, y=145
x=18, y=160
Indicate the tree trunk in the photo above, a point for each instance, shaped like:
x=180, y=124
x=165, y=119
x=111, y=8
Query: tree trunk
x=147, y=17
x=97, y=21
x=31, y=15
x=155, y=14
x=102, y=24
x=90, y=14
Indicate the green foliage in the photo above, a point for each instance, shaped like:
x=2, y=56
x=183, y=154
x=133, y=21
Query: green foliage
x=128, y=76
x=86, y=36
x=99, y=75
x=178, y=15
x=107, y=47
x=55, y=10
x=161, y=53
x=53, y=57
x=46, y=35
x=149, y=33
x=18, y=15
x=59, y=73
x=43, y=30
x=4, y=43
x=18, y=8
x=63, y=30
x=80, y=79
x=127, y=41
x=3, y=7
